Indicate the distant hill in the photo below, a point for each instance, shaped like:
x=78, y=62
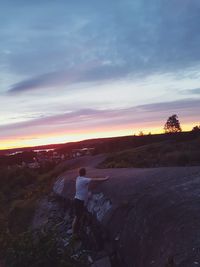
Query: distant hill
x=110, y=144
x=160, y=154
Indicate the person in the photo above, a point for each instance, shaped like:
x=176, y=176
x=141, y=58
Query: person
x=81, y=197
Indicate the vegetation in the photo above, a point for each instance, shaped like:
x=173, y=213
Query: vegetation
x=196, y=129
x=168, y=153
x=20, y=188
x=37, y=249
x=172, y=125
x=17, y=158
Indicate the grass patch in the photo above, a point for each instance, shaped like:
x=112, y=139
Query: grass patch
x=156, y=155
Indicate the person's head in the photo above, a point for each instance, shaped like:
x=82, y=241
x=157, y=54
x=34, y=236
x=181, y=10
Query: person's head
x=82, y=171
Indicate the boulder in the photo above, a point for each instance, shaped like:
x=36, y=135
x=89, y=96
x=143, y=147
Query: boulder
x=149, y=215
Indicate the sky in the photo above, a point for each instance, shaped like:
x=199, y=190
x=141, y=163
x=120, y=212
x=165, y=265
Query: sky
x=74, y=70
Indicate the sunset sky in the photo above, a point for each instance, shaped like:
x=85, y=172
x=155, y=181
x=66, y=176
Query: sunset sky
x=74, y=70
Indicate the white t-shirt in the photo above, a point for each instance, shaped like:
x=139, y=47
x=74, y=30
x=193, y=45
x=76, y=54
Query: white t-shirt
x=82, y=184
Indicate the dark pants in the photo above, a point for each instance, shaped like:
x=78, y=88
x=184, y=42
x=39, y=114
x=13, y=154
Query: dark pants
x=79, y=214
x=78, y=207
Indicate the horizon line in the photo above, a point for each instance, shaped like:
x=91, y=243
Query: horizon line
x=83, y=140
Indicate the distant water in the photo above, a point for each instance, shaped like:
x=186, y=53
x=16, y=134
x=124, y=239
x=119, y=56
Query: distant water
x=14, y=153
x=35, y=150
x=42, y=150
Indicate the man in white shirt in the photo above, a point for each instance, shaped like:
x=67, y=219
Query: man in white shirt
x=81, y=197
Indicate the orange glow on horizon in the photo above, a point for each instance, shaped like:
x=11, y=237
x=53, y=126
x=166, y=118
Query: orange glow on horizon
x=57, y=138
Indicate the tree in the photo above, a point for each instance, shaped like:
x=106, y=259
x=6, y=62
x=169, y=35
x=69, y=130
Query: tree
x=196, y=129
x=172, y=125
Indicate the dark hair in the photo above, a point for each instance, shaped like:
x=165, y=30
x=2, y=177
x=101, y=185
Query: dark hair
x=82, y=171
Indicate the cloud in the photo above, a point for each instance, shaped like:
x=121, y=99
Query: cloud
x=173, y=105
x=194, y=91
x=140, y=36
x=125, y=52
x=92, y=71
x=80, y=120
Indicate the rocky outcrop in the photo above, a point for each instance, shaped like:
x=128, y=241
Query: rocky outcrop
x=150, y=216
x=54, y=214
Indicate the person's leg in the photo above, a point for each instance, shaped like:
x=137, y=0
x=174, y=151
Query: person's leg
x=76, y=225
x=85, y=218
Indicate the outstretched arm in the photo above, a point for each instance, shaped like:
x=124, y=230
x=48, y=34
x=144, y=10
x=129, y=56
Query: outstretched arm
x=100, y=179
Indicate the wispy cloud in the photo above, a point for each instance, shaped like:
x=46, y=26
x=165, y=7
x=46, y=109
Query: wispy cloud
x=194, y=91
x=136, y=37
x=90, y=72
x=173, y=105
x=101, y=55
x=91, y=118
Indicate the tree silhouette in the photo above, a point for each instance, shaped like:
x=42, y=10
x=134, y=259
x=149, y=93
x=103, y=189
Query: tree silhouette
x=196, y=129
x=172, y=125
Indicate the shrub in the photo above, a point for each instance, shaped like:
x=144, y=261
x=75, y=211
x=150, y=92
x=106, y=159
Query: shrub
x=155, y=155
x=22, y=211
x=38, y=249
